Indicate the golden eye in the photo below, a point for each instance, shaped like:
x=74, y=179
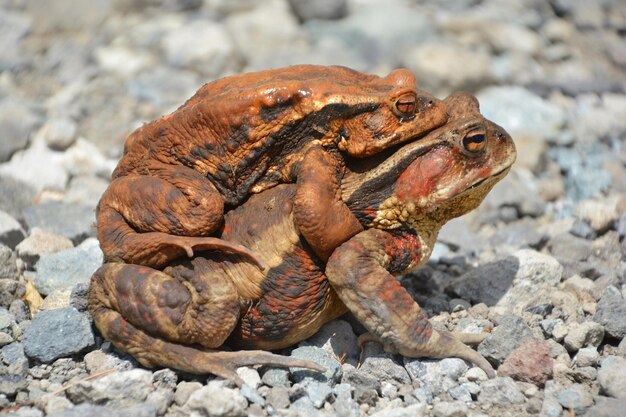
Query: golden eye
x=475, y=141
x=406, y=105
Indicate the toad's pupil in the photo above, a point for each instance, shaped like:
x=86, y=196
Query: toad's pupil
x=474, y=143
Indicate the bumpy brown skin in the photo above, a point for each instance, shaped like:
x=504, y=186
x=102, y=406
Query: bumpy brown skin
x=244, y=134
x=172, y=318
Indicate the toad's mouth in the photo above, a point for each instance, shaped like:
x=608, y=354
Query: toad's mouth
x=494, y=177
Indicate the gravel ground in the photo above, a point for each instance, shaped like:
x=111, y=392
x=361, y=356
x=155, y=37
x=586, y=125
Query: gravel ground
x=541, y=263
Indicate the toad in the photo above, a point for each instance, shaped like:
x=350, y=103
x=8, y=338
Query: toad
x=180, y=316
x=241, y=135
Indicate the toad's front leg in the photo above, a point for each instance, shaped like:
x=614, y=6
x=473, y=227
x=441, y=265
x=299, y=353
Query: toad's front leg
x=155, y=218
x=358, y=270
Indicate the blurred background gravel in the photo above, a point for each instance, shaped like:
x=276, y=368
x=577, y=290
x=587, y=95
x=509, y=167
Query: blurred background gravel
x=542, y=261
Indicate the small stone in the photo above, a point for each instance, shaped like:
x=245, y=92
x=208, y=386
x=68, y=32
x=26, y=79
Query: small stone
x=461, y=393
x=59, y=133
x=17, y=121
x=610, y=313
x=65, y=269
x=252, y=395
x=541, y=309
x=160, y=400
x=10, y=291
x=10, y=384
x=530, y=362
x=98, y=361
x=56, y=299
x=450, y=409
x=337, y=338
x=41, y=242
x=21, y=194
x=58, y=333
x=122, y=388
x=79, y=296
x=505, y=338
x=500, y=391
x=216, y=400
x=611, y=377
x=324, y=9
x=413, y=410
x=250, y=376
x=365, y=385
x=584, y=334
x=389, y=390
x=74, y=221
x=333, y=367
x=382, y=366
x=55, y=404
x=606, y=407
x=276, y=377
x=278, y=398
x=40, y=168
x=184, y=390
x=583, y=230
x=576, y=397
x=11, y=232
x=8, y=265
x=165, y=378
x=566, y=246
x=317, y=392
x=588, y=356
x=476, y=374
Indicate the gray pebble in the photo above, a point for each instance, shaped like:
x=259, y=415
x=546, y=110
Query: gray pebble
x=611, y=377
x=333, y=367
x=10, y=384
x=337, y=338
x=450, y=409
x=184, y=389
x=11, y=232
x=276, y=377
x=65, y=269
x=14, y=357
x=59, y=133
x=584, y=334
x=576, y=397
x=216, y=400
x=74, y=221
x=324, y=9
x=21, y=194
x=11, y=291
x=40, y=242
x=122, y=388
x=57, y=333
x=606, y=407
x=508, y=335
x=611, y=313
x=17, y=121
x=278, y=398
x=500, y=391
x=8, y=266
x=383, y=367
x=317, y=392
x=252, y=395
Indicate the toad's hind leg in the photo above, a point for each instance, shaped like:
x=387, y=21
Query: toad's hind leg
x=153, y=219
x=162, y=321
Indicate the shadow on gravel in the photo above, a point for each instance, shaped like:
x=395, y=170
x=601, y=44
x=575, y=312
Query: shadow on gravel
x=486, y=284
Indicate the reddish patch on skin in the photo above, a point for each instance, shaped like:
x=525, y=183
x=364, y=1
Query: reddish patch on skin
x=421, y=177
x=393, y=294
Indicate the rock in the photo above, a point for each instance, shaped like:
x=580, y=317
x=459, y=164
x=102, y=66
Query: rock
x=434, y=64
x=60, y=16
x=216, y=400
x=21, y=194
x=601, y=215
x=333, y=367
x=501, y=391
x=250, y=376
x=324, y=9
x=450, y=409
x=81, y=410
x=566, y=246
x=184, y=389
x=202, y=45
x=68, y=268
x=41, y=242
x=10, y=290
x=610, y=313
x=611, y=377
x=14, y=26
x=79, y=297
x=8, y=266
x=252, y=395
x=435, y=376
x=57, y=333
x=366, y=386
x=278, y=398
x=518, y=235
x=317, y=392
x=11, y=232
x=122, y=60
x=577, y=397
x=75, y=223
x=276, y=377
x=98, y=361
x=14, y=357
x=584, y=334
x=59, y=133
x=506, y=281
x=39, y=167
x=476, y=374
x=336, y=338
x=413, y=410
x=587, y=357
x=157, y=86
x=518, y=193
x=504, y=339
x=10, y=384
x=530, y=362
x=521, y=111
x=606, y=407
x=381, y=366
x=85, y=190
x=17, y=121
x=119, y=388
x=57, y=299
x=55, y=404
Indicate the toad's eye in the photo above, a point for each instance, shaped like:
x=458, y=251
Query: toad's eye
x=475, y=141
x=405, y=105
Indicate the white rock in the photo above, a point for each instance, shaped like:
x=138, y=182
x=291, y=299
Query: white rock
x=38, y=166
x=215, y=400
